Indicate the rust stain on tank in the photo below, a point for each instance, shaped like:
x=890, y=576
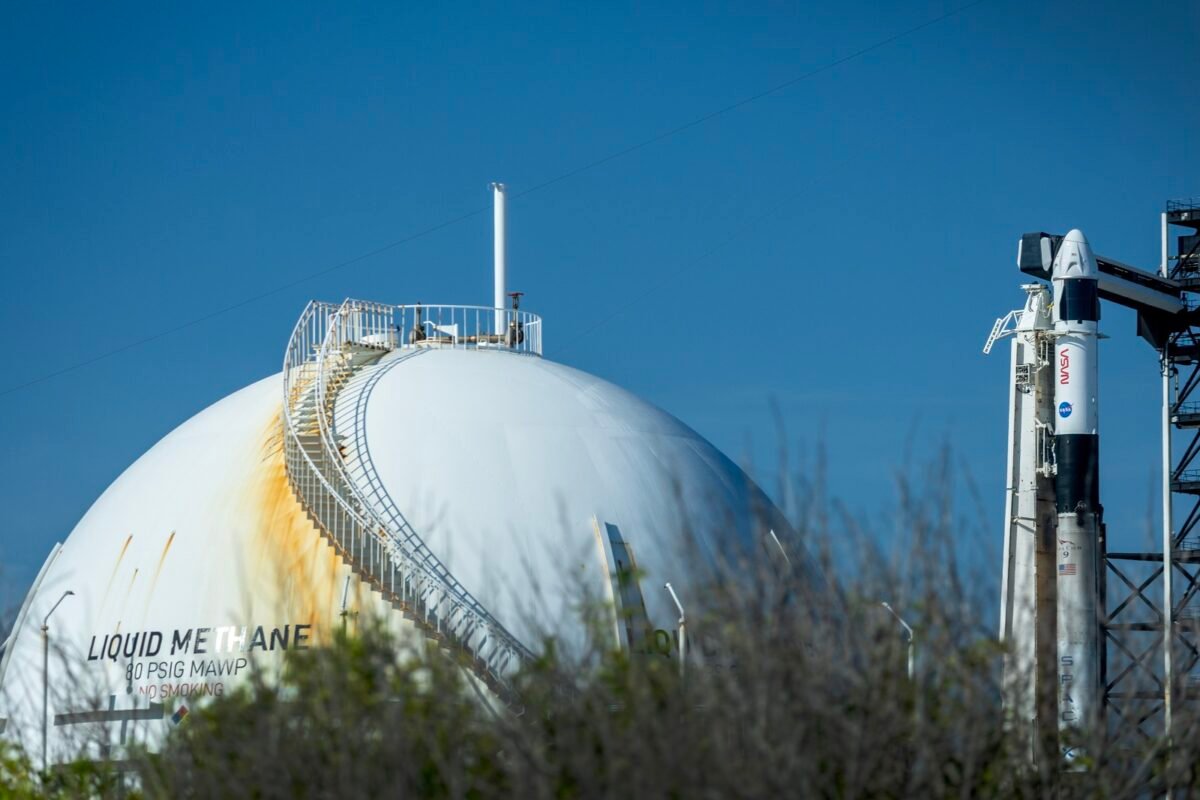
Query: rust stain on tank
x=158, y=568
x=112, y=576
x=163, y=557
x=288, y=547
x=128, y=592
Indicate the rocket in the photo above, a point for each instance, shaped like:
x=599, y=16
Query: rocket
x=1076, y=314
x=1052, y=608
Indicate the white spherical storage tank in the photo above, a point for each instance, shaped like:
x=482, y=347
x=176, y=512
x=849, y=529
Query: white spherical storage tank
x=425, y=463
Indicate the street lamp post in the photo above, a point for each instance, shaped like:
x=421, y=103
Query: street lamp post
x=682, y=629
x=46, y=671
x=908, y=629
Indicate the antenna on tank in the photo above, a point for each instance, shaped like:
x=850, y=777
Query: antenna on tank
x=499, y=254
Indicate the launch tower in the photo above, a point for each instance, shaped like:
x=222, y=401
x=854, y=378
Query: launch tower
x=1097, y=634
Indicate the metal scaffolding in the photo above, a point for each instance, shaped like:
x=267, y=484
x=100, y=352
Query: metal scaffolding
x=1151, y=598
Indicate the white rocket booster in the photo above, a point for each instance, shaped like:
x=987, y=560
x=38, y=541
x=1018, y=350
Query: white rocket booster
x=1077, y=496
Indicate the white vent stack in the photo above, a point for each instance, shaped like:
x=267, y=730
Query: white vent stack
x=500, y=248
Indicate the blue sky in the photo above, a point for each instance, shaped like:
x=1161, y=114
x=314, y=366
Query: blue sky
x=840, y=247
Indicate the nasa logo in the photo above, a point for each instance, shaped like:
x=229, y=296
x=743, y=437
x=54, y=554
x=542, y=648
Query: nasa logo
x=1064, y=409
x=1064, y=370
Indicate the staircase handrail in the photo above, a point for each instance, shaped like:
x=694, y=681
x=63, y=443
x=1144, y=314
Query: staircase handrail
x=371, y=324
x=355, y=322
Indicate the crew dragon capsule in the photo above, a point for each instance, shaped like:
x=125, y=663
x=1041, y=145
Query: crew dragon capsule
x=1076, y=315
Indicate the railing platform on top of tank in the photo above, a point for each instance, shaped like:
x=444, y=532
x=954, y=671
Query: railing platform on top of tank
x=453, y=326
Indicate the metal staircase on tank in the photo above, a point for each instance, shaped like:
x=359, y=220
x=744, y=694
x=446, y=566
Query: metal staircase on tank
x=331, y=345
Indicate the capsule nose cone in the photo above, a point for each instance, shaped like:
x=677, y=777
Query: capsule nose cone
x=1075, y=236
x=1075, y=259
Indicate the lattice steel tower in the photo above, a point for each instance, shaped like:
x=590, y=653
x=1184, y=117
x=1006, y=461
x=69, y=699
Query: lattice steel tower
x=1151, y=598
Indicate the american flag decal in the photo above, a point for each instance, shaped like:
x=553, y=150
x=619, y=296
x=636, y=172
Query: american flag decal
x=1066, y=569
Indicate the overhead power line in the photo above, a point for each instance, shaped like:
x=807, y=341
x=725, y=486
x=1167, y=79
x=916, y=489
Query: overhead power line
x=247, y=301
x=627, y=304
x=613, y=156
